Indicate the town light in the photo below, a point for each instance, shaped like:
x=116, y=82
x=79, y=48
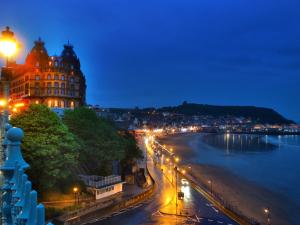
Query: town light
x=177, y=159
x=8, y=44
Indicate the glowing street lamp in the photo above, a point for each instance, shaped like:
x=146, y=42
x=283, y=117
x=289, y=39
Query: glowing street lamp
x=75, y=191
x=8, y=44
x=3, y=102
x=8, y=47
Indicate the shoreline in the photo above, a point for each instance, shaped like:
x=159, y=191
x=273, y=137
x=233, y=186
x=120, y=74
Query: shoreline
x=237, y=191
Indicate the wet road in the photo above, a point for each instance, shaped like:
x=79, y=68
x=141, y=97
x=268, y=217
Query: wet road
x=163, y=201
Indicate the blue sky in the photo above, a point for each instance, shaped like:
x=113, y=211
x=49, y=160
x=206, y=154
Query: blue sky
x=162, y=52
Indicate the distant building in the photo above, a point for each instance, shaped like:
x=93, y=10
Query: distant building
x=56, y=81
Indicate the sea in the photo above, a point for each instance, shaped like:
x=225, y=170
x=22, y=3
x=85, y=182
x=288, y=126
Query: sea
x=272, y=162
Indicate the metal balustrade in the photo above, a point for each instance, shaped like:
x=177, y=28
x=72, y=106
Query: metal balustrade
x=19, y=201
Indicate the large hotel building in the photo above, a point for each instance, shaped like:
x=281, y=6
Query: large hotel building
x=56, y=81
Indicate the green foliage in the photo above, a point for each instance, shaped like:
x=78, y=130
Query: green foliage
x=100, y=141
x=48, y=146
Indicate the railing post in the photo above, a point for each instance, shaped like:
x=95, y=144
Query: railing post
x=19, y=200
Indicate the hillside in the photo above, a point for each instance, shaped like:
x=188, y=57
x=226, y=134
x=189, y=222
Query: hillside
x=258, y=114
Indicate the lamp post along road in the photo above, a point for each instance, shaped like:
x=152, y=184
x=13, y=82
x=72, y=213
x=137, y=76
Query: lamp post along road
x=8, y=47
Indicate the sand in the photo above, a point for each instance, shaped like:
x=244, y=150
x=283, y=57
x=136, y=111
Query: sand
x=245, y=195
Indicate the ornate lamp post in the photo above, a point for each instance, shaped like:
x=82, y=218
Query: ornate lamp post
x=8, y=47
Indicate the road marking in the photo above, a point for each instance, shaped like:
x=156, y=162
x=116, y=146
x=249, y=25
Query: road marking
x=219, y=222
x=209, y=220
x=198, y=219
x=217, y=211
x=157, y=212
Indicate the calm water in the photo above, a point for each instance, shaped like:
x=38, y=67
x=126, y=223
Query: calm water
x=270, y=161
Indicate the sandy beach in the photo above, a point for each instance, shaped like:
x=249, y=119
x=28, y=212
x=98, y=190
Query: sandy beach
x=248, y=196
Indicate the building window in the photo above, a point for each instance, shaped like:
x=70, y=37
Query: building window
x=36, y=101
x=56, y=64
x=37, y=88
x=49, y=77
x=49, y=103
x=72, y=105
x=62, y=104
x=72, y=80
x=55, y=103
x=37, y=64
x=62, y=77
x=62, y=88
x=26, y=78
x=26, y=89
x=49, y=88
x=55, y=77
x=37, y=77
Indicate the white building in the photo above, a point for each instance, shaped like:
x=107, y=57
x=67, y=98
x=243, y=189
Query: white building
x=103, y=187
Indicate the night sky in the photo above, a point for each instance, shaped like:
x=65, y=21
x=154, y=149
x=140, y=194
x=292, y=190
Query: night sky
x=162, y=52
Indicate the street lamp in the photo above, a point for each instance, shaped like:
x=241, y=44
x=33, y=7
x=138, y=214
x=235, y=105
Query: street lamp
x=210, y=182
x=75, y=190
x=267, y=212
x=175, y=169
x=8, y=47
x=8, y=44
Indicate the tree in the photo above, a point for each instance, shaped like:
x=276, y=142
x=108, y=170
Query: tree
x=48, y=146
x=100, y=141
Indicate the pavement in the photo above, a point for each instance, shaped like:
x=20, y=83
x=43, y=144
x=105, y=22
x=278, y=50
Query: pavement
x=159, y=209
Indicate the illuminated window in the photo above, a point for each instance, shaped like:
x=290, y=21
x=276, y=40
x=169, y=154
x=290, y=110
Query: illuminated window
x=55, y=103
x=37, y=77
x=62, y=77
x=36, y=101
x=72, y=80
x=62, y=104
x=49, y=103
x=56, y=77
x=49, y=77
x=72, y=105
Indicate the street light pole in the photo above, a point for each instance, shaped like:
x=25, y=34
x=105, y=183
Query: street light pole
x=267, y=212
x=210, y=182
x=176, y=188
